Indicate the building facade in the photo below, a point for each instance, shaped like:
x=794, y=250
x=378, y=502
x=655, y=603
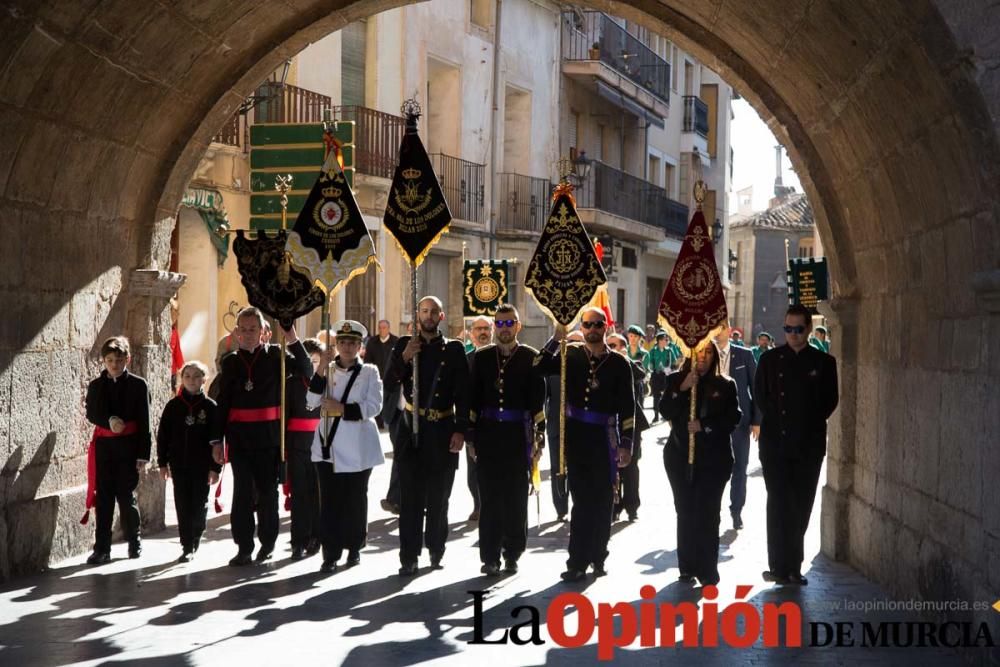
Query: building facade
x=503, y=98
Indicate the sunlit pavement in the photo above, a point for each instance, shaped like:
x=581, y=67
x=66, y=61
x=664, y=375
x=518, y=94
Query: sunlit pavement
x=153, y=611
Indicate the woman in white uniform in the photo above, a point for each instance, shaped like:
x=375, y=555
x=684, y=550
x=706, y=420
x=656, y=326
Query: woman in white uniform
x=346, y=445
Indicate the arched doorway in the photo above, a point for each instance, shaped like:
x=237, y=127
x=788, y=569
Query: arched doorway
x=884, y=107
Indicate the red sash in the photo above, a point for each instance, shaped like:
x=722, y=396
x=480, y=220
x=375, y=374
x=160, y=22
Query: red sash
x=254, y=414
x=303, y=424
x=99, y=432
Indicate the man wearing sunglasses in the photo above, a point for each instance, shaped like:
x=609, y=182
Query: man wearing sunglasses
x=506, y=422
x=600, y=418
x=796, y=390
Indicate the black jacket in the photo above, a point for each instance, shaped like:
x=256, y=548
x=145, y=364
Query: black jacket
x=796, y=393
x=718, y=410
x=182, y=439
x=127, y=398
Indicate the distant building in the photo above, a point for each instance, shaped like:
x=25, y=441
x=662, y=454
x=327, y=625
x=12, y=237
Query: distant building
x=759, y=293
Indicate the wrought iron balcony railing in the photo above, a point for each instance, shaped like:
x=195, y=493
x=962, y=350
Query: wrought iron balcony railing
x=464, y=186
x=695, y=115
x=622, y=194
x=377, y=136
x=522, y=203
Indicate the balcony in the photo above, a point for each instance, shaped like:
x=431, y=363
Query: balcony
x=377, y=136
x=695, y=115
x=464, y=186
x=625, y=196
x=626, y=71
x=285, y=103
x=523, y=203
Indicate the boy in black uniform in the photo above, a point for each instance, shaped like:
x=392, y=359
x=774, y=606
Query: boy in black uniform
x=506, y=399
x=427, y=467
x=249, y=416
x=183, y=451
x=300, y=429
x=600, y=417
x=118, y=407
x=796, y=389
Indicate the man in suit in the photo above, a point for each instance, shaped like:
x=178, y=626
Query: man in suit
x=738, y=363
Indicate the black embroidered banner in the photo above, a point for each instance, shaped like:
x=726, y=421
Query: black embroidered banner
x=272, y=283
x=484, y=286
x=564, y=273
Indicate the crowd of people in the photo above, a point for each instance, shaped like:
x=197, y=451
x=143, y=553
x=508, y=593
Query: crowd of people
x=493, y=396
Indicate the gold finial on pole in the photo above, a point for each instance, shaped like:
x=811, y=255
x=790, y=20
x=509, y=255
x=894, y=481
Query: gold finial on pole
x=565, y=167
x=699, y=193
x=283, y=184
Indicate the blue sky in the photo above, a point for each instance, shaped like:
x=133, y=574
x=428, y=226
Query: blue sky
x=753, y=146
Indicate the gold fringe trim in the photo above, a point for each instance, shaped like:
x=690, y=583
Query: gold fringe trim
x=564, y=188
x=372, y=259
x=685, y=350
x=423, y=253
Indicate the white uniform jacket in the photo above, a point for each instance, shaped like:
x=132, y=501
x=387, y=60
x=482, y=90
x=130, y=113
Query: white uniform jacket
x=356, y=445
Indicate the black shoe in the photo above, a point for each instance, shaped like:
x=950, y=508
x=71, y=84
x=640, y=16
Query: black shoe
x=796, y=579
x=353, y=558
x=298, y=553
x=737, y=522
x=99, y=558
x=185, y=556
x=712, y=580
x=633, y=517
x=436, y=561
x=510, y=565
x=572, y=575
x=408, y=569
x=134, y=549
x=474, y=516
x=616, y=516
x=313, y=547
x=328, y=566
x=561, y=518
x=685, y=578
x=774, y=578
x=490, y=569
x=241, y=559
x=264, y=554
x=599, y=570
x=389, y=506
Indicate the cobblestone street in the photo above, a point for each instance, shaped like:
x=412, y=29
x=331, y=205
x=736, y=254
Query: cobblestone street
x=154, y=611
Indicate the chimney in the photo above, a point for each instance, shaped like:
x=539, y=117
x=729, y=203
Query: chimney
x=779, y=188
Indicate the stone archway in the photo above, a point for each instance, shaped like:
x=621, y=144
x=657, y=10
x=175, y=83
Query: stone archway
x=889, y=110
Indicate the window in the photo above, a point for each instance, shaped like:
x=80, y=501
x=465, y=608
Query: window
x=481, y=13
x=601, y=135
x=688, y=78
x=653, y=173
x=516, y=130
x=668, y=180
x=806, y=248
x=673, y=68
x=630, y=259
x=683, y=191
x=573, y=129
x=352, y=64
x=620, y=306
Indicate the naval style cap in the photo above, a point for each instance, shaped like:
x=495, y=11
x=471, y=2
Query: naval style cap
x=350, y=329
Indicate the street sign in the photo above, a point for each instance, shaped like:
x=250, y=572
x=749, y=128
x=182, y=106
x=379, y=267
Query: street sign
x=808, y=282
x=290, y=148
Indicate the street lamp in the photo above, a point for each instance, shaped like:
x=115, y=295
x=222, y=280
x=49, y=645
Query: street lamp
x=716, y=230
x=581, y=166
x=272, y=86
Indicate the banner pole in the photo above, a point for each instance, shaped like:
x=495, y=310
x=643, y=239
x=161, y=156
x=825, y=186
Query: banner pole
x=416, y=359
x=562, y=407
x=283, y=184
x=693, y=412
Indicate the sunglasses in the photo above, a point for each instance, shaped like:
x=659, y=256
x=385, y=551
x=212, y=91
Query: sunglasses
x=592, y=325
x=500, y=324
x=797, y=329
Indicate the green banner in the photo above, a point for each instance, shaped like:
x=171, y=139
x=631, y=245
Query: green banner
x=296, y=149
x=484, y=286
x=808, y=282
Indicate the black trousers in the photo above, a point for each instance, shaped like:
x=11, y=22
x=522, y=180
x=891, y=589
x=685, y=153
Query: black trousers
x=305, y=497
x=191, y=501
x=424, y=492
x=628, y=480
x=343, y=510
x=698, y=503
x=255, y=491
x=560, y=489
x=117, y=480
x=472, y=479
x=590, y=488
x=791, y=490
x=503, y=514
x=741, y=458
x=657, y=384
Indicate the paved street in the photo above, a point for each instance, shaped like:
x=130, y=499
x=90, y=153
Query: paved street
x=156, y=612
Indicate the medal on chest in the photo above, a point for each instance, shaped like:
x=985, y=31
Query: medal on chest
x=249, y=385
x=189, y=420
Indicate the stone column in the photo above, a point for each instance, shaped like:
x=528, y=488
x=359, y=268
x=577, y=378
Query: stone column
x=148, y=329
x=842, y=315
